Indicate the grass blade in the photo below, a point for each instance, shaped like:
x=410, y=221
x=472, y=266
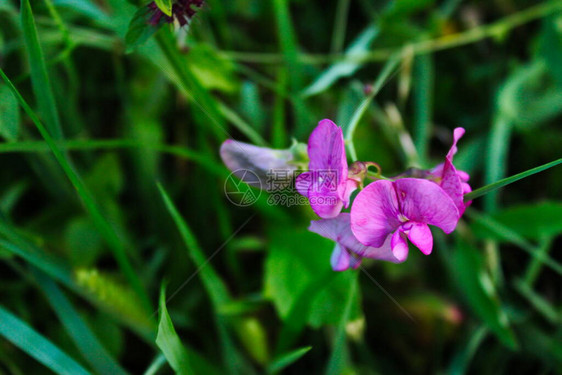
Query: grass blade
x=511, y=236
x=169, y=342
x=286, y=360
x=9, y=115
x=27, y=339
x=496, y=164
x=476, y=286
x=383, y=77
x=105, y=228
x=211, y=280
x=461, y=360
x=343, y=69
x=39, y=76
x=81, y=334
x=337, y=358
x=423, y=102
x=509, y=180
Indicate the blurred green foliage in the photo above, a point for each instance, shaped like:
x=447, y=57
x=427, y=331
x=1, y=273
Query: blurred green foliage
x=111, y=187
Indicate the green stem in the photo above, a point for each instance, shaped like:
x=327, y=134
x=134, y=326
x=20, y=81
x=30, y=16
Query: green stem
x=92, y=208
x=509, y=180
x=496, y=29
x=340, y=24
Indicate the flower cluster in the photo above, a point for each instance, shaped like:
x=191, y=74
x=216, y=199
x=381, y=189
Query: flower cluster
x=385, y=214
x=182, y=10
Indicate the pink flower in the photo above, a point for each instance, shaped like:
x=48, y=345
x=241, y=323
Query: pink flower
x=348, y=251
x=386, y=213
x=453, y=181
x=263, y=162
x=326, y=184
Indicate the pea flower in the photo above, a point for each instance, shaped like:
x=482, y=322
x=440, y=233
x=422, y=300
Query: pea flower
x=394, y=211
x=453, y=181
x=326, y=184
x=348, y=251
x=271, y=169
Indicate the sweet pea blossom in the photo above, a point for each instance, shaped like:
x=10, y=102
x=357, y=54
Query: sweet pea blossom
x=326, y=184
x=240, y=157
x=348, y=250
x=453, y=181
x=390, y=212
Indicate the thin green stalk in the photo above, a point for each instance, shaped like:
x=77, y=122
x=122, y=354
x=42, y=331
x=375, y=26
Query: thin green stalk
x=423, y=103
x=496, y=161
x=215, y=110
x=337, y=358
x=514, y=238
x=22, y=335
x=509, y=180
x=534, y=268
x=340, y=25
x=39, y=76
x=382, y=79
x=497, y=29
x=106, y=230
x=115, y=144
x=279, y=133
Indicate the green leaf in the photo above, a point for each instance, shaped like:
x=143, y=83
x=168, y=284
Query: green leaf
x=501, y=232
x=531, y=96
x=83, y=337
x=545, y=346
x=39, y=76
x=9, y=115
x=531, y=221
x=49, y=264
x=213, y=284
x=424, y=73
x=381, y=80
x=83, y=242
x=461, y=360
x=550, y=46
x=336, y=364
x=103, y=225
x=509, y=180
x=169, y=342
x=343, y=69
x=140, y=30
x=477, y=288
x=287, y=359
x=165, y=6
x=211, y=69
x=27, y=339
x=296, y=262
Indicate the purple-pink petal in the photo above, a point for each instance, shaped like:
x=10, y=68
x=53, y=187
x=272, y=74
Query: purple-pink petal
x=420, y=235
x=375, y=213
x=326, y=149
x=340, y=259
x=452, y=184
x=242, y=157
x=326, y=184
x=303, y=182
x=457, y=134
x=399, y=246
x=339, y=230
x=325, y=202
x=423, y=201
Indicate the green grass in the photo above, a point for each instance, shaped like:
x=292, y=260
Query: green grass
x=112, y=187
